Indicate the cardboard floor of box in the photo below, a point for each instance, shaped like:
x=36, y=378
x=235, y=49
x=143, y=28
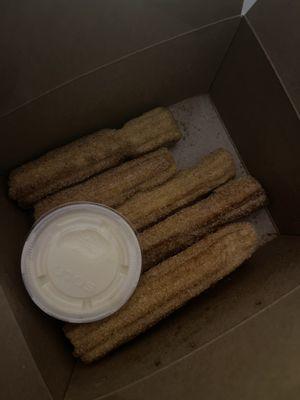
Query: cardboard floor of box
x=196, y=329
x=203, y=132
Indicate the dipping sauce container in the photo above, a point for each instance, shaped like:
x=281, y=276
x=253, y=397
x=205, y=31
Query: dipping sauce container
x=81, y=262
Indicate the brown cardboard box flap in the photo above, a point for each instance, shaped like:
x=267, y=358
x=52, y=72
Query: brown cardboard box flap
x=112, y=95
x=245, y=363
x=64, y=42
x=276, y=24
x=177, y=343
x=20, y=377
x=263, y=124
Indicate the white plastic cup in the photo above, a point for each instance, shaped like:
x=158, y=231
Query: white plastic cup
x=81, y=262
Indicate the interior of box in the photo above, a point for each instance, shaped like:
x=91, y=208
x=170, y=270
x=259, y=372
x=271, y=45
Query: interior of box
x=224, y=93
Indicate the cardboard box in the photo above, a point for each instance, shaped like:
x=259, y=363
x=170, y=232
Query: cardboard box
x=72, y=68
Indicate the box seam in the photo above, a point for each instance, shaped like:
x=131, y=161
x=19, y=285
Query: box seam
x=225, y=55
x=69, y=381
x=268, y=57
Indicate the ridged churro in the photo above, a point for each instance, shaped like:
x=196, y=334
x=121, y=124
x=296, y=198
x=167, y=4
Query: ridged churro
x=165, y=288
x=91, y=154
x=234, y=200
x=148, y=207
x=116, y=185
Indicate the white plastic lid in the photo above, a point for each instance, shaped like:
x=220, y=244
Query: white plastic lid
x=81, y=262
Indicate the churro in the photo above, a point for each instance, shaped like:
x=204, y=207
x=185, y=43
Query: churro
x=116, y=185
x=165, y=288
x=91, y=154
x=234, y=200
x=148, y=207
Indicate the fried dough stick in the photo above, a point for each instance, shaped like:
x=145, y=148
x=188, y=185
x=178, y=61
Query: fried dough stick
x=116, y=185
x=234, y=200
x=148, y=207
x=90, y=155
x=165, y=288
